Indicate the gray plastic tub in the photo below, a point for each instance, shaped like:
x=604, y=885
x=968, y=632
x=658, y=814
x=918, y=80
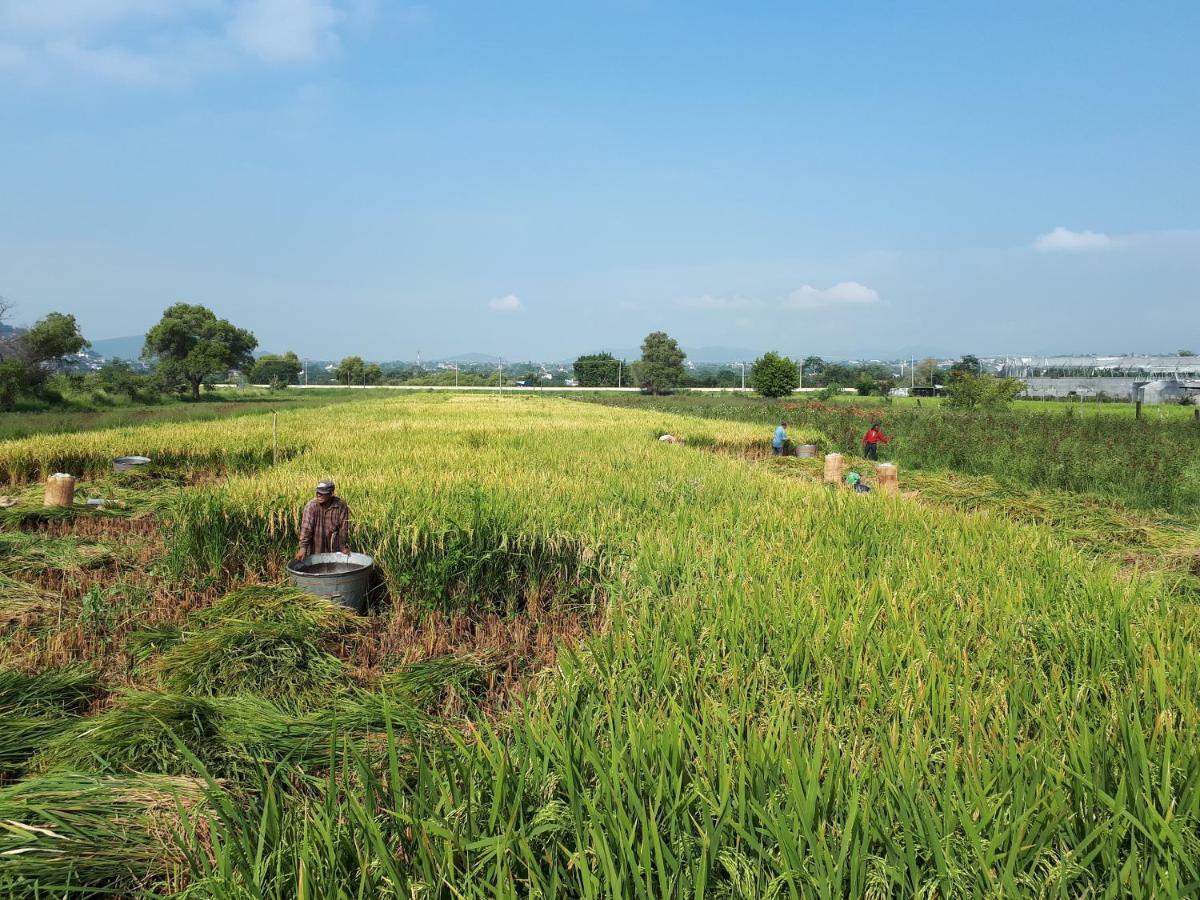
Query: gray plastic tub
x=807, y=451
x=339, y=577
x=125, y=463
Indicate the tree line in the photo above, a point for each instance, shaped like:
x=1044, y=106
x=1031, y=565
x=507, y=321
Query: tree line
x=190, y=345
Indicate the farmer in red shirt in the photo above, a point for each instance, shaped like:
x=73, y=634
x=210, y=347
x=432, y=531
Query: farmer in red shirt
x=871, y=441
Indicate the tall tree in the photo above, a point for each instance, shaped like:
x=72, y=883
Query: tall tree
x=597, y=370
x=52, y=338
x=29, y=356
x=927, y=372
x=191, y=343
x=351, y=370
x=968, y=365
x=660, y=369
x=277, y=371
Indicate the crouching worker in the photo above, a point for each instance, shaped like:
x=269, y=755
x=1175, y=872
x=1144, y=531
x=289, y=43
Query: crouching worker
x=779, y=441
x=855, y=481
x=324, y=524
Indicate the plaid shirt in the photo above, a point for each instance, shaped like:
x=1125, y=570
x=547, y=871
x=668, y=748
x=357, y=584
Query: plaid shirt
x=324, y=528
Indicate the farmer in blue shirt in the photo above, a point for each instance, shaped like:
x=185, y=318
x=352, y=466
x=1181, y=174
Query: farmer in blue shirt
x=780, y=439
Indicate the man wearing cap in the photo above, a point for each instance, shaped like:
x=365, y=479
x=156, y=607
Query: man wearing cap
x=324, y=524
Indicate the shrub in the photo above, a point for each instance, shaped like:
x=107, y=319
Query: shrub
x=774, y=376
x=968, y=391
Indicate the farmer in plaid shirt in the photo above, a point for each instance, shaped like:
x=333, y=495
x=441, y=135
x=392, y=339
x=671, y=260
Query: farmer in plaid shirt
x=324, y=524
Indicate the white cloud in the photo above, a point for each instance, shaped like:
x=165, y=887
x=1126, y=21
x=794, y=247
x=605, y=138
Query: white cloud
x=1063, y=240
x=286, y=31
x=844, y=293
x=49, y=18
x=708, y=301
x=149, y=42
x=506, y=304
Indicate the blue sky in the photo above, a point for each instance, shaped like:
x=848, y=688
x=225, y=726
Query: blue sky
x=541, y=179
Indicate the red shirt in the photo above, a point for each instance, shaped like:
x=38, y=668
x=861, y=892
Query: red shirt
x=874, y=436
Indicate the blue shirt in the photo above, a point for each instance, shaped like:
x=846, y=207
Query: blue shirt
x=780, y=437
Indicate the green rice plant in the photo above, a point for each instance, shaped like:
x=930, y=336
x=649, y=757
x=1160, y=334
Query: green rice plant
x=795, y=691
x=73, y=835
x=242, y=444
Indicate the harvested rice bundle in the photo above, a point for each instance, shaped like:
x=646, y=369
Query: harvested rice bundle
x=142, y=733
x=36, y=707
x=55, y=691
x=279, y=661
x=22, y=738
x=356, y=722
x=24, y=553
x=279, y=605
x=145, y=642
x=428, y=684
x=67, y=833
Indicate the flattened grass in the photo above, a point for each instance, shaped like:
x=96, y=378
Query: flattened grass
x=262, y=641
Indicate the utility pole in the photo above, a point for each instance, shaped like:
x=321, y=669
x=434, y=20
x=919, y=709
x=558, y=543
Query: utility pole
x=456, y=374
x=619, y=364
x=743, y=365
x=500, y=367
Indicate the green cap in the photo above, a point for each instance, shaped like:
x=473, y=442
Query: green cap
x=853, y=478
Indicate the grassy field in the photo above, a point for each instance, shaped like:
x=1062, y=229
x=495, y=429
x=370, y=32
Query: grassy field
x=1150, y=464
x=601, y=666
x=1120, y=410
x=221, y=404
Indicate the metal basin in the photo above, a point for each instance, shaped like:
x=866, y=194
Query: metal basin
x=125, y=463
x=339, y=577
x=807, y=451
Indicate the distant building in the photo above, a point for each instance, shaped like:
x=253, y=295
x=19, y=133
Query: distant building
x=936, y=390
x=1101, y=377
x=1166, y=391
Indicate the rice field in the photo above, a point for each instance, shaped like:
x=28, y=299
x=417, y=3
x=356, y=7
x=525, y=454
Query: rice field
x=599, y=666
x=1151, y=464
